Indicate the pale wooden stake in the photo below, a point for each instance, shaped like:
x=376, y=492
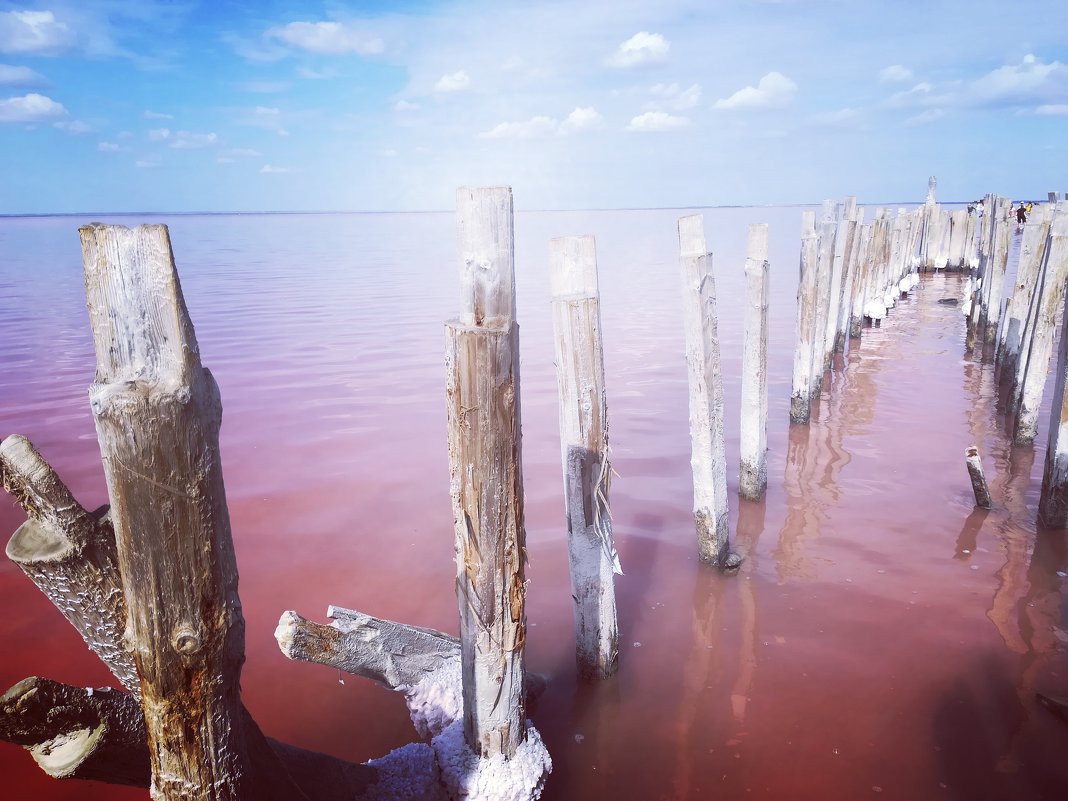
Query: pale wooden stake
x=584, y=451
x=975, y=472
x=801, y=394
x=824, y=281
x=486, y=479
x=69, y=554
x=1022, y=302
x=708, y=458
x=998, y=265
x=1053, y=501
x=753, y=478
x=1055, y=268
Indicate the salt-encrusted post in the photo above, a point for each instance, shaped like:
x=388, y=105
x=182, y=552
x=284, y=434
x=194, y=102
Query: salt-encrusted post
x=1055, y=269
x=157, y=413
x=1021, y=311
x=996, y=277
x=1053, y=502
x=801, y=395
x=584, y=451
x=708, y=456
x=975, y=472
x=486, y=481
x=753, y=478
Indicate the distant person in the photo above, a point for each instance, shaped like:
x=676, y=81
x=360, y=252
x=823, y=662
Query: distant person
x=1029, y=207
x=1021, y=214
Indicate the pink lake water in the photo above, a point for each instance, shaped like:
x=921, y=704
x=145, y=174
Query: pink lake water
x=883, y=639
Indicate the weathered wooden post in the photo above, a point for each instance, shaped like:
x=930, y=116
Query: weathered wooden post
x=801, y=395
x=1053, y=502
x=708, y=457
x=975, y=472
x=998, y=265
x=1055, y=269
x=486, y=481
x=1021, y=310
x=584, y=451
x=753, y=479
x=157, y=413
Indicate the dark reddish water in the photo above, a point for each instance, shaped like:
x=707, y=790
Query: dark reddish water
x=882, y=639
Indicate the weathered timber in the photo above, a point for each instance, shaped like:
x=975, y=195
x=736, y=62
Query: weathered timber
x=486, y=480
x=69, y=554
x=1021, y=301
x=1055, y=269
x=753, y=461
x=592, y=556
x=849, y=281
x=998, y=268
x=824, y=279
x=1053, y=501
x=157, y=413
x=975, y=472
x=99, y=734
x=801, y=394
x=1057, y=705
x=862, y=271
x=1033, y=247
x=704, y=373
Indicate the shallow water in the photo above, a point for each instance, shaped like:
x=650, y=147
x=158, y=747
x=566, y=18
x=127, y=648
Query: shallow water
x=882, y=637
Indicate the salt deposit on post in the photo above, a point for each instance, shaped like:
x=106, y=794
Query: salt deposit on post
x=584, y=452
x=1053, y=502
x=801, y=396
x=708, y=454
x=753, y=479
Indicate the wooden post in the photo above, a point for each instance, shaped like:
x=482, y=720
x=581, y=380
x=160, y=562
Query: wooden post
x=584, y=451
x=843, y=251
x=157, y=413
x=801, y=395
x=753, y=479
x=998, y=266
x=849, y=280
x=69, y=554
x=1053, y=501
x=1022, y=304
x=975, y=472
x=824, y=286
x=708, y=458
x=1055, y=268
x=486, y=479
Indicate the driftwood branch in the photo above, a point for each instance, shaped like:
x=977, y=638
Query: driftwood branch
x=69, y=553
x=99, y=734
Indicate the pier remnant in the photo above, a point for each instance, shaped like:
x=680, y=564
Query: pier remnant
x=753, y=463
x=801, y=394
x=975, y=472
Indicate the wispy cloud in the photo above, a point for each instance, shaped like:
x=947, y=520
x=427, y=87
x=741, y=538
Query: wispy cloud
x=333, y=38
x=895, y=73
x=187, y=140
x=159, y=134
x=108, y=147
x=404, y=105
x=453, y=82
x=640, y=49
x=656, y=121
x=36, y=33
x=270, y=169
x=774, y=90
x=1031, y=81
x=316, y=75
x=1053, y=110
x=74, y=127
x=671, y=96
x=157, y=115
x=579, y=120
x=21, y=77
x=925, y=117
x=31, y=108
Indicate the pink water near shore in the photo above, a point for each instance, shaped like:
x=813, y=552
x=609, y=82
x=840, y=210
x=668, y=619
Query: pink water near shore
x=882, y=639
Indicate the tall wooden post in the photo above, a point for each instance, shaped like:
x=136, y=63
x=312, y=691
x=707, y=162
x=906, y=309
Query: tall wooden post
x=486, y=481
x=1055, y=269
x=998, y=266
x=708, y=458
x=1053, y=502
x=1022, y=305
x=584, y=451
x=754, y=435
x=157, y=414
x=801, y=395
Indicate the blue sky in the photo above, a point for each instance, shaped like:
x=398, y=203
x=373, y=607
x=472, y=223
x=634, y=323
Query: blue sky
x=144, y=105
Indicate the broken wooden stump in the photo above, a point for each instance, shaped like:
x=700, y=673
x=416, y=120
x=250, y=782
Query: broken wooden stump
x=708, y=449
x=975, y=473
x=753, y=461
x=585, y=453
x=69, y=554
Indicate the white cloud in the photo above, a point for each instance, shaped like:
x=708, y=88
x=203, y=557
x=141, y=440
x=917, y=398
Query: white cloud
x=774, y=90
x=74, y=127
x=152, y=161
x=242, y=152
x=332, y=38
x=672, y=96
x=1030, y=81
x=404, y=105
x=157, y=115
x=925, y=117
x=835, y=119
x=31, y=108
x=21, y=77
x=657, y=121
x=316, y=75
x=921, y=94
x=224, y=160
x=1053, y=110
x=266, y=87
x=186, y=140
x=108, y=147
x=531, y=129
x=270, y=169
x=266, y=111
x=33, y=32
x=159, y=134
x=388, y=153
x=641, y=48
x=453, y=82
x=895, y=73
x=581, y=119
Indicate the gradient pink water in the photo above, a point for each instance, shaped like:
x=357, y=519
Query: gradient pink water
x=882, y=638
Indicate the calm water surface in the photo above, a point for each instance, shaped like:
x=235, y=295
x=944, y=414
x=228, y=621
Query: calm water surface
x=882, y=639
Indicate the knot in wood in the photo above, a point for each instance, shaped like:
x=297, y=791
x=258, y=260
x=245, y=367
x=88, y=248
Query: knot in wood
x=186, y=641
